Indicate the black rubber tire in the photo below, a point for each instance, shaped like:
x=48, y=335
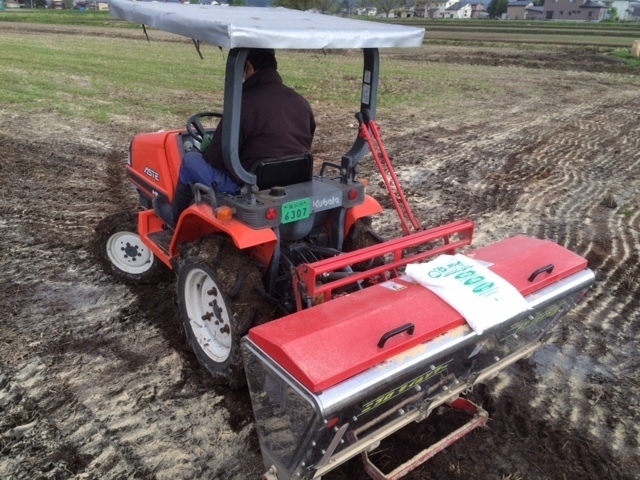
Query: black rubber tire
x=121, y=223
x=235, y=287
x=361, y=235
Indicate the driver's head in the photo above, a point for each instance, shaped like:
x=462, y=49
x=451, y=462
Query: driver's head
x=260, y=59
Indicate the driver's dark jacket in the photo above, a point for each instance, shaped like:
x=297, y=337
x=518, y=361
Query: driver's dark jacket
x=275, y=122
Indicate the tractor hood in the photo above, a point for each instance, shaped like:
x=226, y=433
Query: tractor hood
x=254, y=27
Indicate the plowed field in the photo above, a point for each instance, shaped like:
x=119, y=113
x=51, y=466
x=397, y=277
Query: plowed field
x=97, y=380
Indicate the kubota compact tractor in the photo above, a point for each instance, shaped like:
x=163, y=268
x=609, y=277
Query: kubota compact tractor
x=286, y=286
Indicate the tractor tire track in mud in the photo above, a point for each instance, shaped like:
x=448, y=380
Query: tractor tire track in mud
x=97, y=379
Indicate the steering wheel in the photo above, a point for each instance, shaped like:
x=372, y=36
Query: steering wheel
x=194, y=126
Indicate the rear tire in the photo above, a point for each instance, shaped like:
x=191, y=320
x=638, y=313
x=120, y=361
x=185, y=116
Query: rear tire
x=121, y=252
x=220, y=295
x=361, y=235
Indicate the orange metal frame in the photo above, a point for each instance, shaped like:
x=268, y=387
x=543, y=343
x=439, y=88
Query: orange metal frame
x=198, y=221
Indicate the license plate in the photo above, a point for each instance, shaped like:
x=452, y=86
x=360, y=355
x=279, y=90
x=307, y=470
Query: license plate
x=297, y=210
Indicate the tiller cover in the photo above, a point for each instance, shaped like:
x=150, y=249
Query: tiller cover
x=329, y=382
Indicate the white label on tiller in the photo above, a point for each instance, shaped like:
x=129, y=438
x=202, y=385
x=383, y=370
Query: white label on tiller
x=483, y=298
x=393, y=286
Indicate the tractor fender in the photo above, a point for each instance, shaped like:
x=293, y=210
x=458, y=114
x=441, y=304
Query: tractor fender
x=199, y=220
x=366, y=209
x=154, y=163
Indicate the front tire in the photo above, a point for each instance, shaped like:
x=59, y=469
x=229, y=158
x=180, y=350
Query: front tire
x=122, y=253
x=221, y=296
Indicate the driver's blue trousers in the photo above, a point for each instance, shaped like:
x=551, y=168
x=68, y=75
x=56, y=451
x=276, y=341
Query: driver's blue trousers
x=195, y=169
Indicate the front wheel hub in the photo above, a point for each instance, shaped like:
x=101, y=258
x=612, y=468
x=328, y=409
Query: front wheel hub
x=131, y=251
x=127, y=252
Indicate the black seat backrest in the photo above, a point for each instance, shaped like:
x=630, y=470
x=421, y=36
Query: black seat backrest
x=280, y=172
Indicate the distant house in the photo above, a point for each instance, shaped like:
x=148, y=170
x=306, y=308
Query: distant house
x=439, y=9
x=517, y=9
x=622, y=6
x=407, y=12
x=434, y=9
x=633, y=12
x=625, y=10
x=368, y=12
x=534, y=13
x=578, y=10
x=459, y=10
x=478, y=10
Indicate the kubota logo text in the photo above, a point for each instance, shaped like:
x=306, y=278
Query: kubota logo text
x=327, y=202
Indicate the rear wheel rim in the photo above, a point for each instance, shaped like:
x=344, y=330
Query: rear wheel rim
x=127, y=252
x=208, y=315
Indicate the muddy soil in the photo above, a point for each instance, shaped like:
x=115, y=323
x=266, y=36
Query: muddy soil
x=97, y=380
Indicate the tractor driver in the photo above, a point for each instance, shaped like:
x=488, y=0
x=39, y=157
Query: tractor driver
x=275, y=121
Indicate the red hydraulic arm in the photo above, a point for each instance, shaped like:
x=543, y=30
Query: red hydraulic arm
x=369, y=131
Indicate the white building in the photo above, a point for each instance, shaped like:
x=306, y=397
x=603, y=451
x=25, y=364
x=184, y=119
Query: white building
x=626, y=10
x=459, y=10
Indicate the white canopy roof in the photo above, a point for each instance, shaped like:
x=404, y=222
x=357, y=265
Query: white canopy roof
x=254, y=27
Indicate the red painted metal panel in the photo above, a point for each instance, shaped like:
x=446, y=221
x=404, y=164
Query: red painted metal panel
x=335, y=340
x=156, y=159
x=517, y=258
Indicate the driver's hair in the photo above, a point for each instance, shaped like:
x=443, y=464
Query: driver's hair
x=262, y=59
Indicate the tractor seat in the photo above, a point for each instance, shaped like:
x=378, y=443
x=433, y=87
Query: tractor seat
x=281, y=172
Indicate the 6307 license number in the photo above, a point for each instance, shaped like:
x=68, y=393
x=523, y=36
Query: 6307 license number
x=296, y=210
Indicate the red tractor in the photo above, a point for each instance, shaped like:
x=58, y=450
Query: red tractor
x=358, y=349
x=235, y=256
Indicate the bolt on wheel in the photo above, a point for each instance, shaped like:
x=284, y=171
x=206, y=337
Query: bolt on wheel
x=219, y=295
x=127, y=252
x=208, y=315
x=122, y=252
